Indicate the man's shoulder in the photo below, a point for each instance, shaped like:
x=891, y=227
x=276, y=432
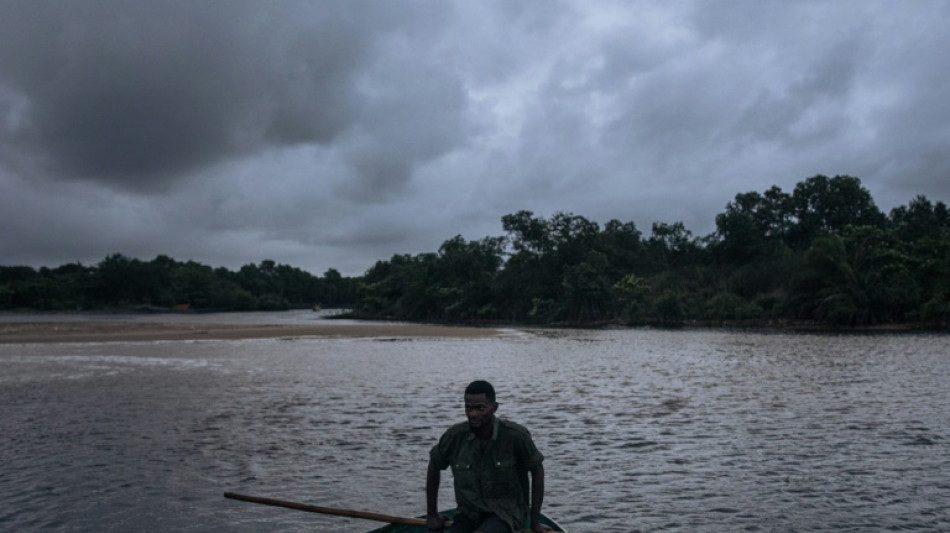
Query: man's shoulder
x=513, y=427
x=456, y=430
x=520, y=439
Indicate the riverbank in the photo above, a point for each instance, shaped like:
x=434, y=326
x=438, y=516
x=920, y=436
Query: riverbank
x=754, y=324
x=129, y=331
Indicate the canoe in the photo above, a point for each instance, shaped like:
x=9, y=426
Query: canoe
x=403, y=528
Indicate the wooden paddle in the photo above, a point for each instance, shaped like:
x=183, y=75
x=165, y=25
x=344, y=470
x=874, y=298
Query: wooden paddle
x=334, y=511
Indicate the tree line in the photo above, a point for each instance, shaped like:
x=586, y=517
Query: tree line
x=823, y=253
x=121, y=282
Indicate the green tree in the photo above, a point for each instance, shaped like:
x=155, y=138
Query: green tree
x=622, y=244
x=921, y=219
x=587, y=289
x=465, y=275
x=548, y=275
x=668, y=309
x=822, y=205
x=122, y=281
x=335, y=290
x=631, y=295
x=886, y=273
x=754, y=226
x=399, y=288
x=74, y=282
x=828, y=289
x=673, y=246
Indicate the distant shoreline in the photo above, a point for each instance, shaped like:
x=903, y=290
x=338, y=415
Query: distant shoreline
x=757, y=324
x=122, y=326
x=142, y=331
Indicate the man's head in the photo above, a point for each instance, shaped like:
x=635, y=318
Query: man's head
x=481, y=387
x=480, y=405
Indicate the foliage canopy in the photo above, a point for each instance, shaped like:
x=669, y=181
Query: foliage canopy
x=823, y=253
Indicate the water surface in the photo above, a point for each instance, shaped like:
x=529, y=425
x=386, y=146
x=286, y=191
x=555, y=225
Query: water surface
x=643, y=430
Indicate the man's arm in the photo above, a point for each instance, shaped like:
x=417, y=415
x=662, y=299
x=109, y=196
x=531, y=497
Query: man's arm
x=537, y=496
x=433, y=478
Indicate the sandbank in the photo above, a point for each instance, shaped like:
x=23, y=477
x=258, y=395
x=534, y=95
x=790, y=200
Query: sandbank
x=128, y=331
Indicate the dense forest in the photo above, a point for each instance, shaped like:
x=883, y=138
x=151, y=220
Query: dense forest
x=120, y=282
x=822, y=254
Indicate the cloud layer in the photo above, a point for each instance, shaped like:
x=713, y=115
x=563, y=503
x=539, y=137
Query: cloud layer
x=333, y=134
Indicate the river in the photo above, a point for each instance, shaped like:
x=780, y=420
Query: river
x=642, y=429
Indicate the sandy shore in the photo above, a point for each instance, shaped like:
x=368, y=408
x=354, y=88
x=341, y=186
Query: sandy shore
x=121, y=331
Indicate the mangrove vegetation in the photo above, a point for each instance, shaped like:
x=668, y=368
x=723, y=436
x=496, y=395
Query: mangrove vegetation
x=119, y=282
x=821, y=254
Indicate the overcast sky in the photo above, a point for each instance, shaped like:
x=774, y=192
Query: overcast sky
x=334, y=134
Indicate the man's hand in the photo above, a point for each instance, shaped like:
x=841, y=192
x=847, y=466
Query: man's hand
x=435, y=523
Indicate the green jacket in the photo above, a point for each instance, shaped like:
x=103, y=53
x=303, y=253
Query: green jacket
x=496, y=480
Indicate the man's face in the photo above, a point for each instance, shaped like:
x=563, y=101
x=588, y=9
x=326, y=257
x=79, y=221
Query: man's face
x=479, y=410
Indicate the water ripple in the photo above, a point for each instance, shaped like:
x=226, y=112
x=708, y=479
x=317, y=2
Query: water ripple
x=642, y=430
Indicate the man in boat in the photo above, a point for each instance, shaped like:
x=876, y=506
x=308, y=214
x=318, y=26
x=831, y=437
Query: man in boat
x=490, y=459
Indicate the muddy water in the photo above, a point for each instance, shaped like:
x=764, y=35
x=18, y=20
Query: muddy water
x=642, y=430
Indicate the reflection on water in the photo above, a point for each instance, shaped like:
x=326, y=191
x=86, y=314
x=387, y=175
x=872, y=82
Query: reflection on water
x=642, y=430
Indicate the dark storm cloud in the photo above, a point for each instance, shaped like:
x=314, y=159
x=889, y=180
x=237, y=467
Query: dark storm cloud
x=399, y=129
x=337, y=133
x=138, y=93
